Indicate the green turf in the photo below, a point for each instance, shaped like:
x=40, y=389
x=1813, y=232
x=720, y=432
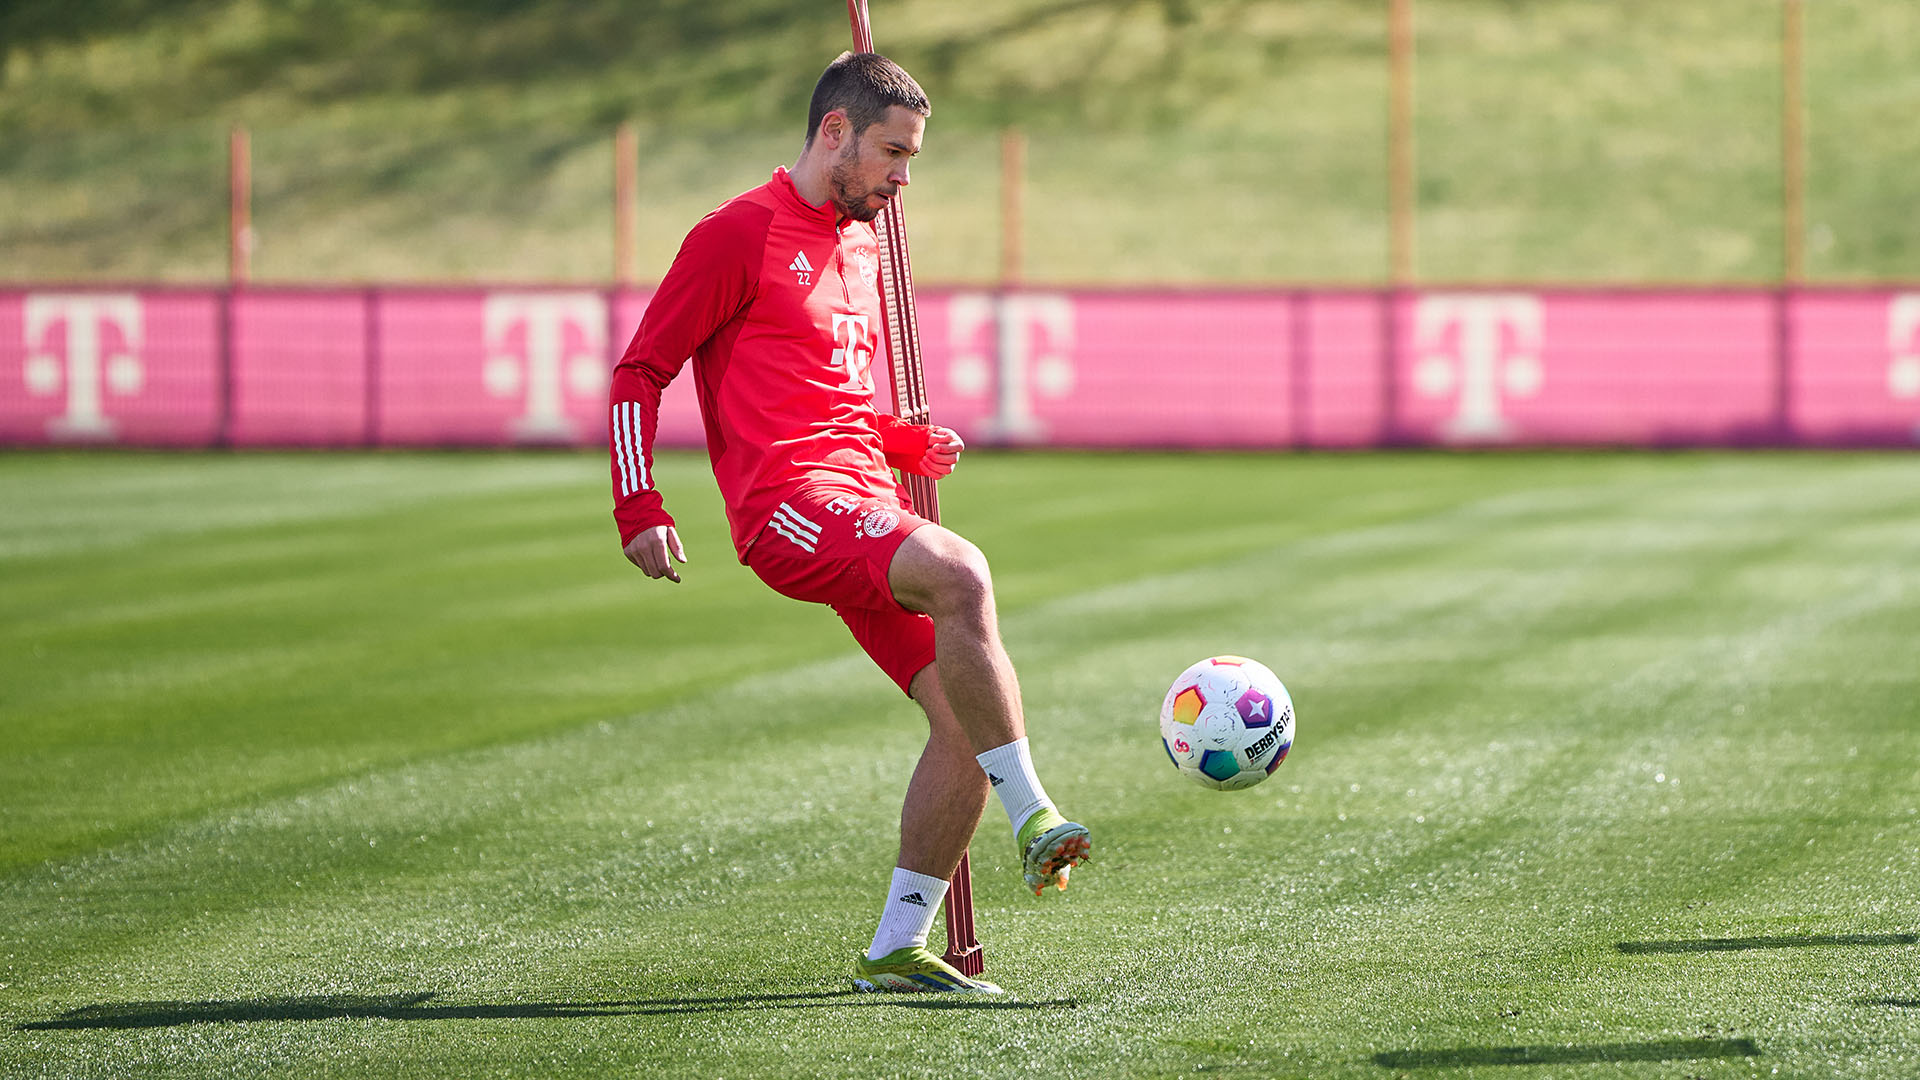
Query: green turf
x=388, y=765
x=1168, y=140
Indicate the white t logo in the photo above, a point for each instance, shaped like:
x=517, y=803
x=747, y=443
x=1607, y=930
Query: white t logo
x=1903, y=340
x=853, y=354
x=88, y=369
x=1022, y=370
x=546, y=373
x=1479, y=368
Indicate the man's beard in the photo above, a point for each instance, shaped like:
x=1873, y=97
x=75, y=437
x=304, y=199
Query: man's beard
x=845, y=183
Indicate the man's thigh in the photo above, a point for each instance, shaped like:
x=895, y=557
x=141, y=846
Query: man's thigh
x=832, y=547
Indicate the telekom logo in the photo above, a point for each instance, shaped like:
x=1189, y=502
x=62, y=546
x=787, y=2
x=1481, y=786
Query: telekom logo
x=541, y=371
x=101, y=356
x=1024, y=368
x=1903, y=341
x=852, y=352
x=1479, y=349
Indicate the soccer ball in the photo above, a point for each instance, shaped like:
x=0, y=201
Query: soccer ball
x=1227, y=722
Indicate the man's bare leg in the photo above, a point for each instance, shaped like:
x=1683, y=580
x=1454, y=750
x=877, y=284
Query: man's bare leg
x=948, y=791
x=940, y=573
x=943, y=805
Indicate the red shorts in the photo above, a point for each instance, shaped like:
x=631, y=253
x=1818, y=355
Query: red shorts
x=830, y=546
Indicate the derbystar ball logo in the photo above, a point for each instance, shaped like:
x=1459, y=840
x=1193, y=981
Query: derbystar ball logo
x=1263, y=744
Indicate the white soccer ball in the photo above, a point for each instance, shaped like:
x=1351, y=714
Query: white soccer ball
x=1227, y=722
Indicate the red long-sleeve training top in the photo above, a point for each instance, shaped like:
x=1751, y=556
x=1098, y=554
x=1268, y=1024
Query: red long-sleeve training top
x=778, y=306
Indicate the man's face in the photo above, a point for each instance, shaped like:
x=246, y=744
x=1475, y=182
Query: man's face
x=872, y=168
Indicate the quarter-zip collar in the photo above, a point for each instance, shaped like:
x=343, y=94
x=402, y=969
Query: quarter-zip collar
x=825, y=215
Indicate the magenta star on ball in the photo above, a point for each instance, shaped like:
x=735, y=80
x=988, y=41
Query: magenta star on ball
x=1256, y=709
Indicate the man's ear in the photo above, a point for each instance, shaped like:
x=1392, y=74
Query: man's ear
x=834, y=129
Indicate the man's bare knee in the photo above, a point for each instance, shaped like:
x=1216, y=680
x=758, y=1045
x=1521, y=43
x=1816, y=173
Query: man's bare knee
x=941, y=573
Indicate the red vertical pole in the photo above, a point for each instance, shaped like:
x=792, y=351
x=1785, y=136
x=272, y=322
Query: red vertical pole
x=1401, y=197
x=1793, y=216
x=239, y=206
x=626, y=199
x=1013, y=178
x=1793, y=160
x=910, y=404
x=1402, y=205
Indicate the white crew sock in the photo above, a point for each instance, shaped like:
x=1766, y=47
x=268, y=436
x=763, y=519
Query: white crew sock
x=1010, y=771
x=908, y=916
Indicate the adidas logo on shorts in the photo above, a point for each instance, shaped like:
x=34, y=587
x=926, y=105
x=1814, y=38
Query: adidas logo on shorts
x=788, y=523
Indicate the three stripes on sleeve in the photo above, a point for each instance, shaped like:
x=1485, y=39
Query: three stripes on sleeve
x=628, y=454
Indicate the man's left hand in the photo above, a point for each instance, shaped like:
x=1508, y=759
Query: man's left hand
x=943, y=452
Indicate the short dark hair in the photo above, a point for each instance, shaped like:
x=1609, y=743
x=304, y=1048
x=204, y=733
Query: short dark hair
x=864, y=86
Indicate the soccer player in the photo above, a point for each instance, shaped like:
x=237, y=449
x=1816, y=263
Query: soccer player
x=775, y=298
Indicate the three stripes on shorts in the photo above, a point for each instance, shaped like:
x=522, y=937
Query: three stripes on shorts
x=788, y=523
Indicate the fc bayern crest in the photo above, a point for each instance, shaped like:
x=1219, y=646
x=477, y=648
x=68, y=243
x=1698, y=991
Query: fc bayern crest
x=867, y=268
x=878, y=523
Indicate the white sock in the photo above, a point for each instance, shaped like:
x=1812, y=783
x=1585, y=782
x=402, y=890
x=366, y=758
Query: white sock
x=1010, y=771
x=908, y=916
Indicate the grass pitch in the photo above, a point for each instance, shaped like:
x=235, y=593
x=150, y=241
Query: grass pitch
x=388, y=765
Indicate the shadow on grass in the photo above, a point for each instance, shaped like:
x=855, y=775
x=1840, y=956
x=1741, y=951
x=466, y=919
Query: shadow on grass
x=1891, y=1002
x=158, y=1014
x=1741, y=943
x=1673, y=1050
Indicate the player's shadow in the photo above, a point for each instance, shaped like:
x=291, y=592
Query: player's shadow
x=160, y=1014
x=1466, y=1056
x=1801, y=941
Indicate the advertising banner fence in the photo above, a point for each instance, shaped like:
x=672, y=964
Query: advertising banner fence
x=1304, y=368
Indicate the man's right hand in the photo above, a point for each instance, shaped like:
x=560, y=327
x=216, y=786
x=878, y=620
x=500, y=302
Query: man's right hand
x=651, y=549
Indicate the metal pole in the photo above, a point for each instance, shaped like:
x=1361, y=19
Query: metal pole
x=1013, y=169
x=626, y=199
x=910, y=404
x=1793, y=149
x=1401, y=207
x=239, y=206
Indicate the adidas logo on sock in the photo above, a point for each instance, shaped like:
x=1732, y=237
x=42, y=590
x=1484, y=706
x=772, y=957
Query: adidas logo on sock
x=994, y=780
x=914, y=898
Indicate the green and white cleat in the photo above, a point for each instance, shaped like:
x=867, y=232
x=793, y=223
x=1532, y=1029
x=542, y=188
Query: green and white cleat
x=1050, y=847
x=915, y=970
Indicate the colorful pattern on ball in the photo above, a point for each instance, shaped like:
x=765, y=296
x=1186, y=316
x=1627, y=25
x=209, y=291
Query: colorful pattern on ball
x=1187, y=706
x=1256, y=708
x=1227, y=722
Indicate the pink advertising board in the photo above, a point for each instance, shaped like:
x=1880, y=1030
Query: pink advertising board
x=107, y=366
x=473, y=366
x=1855, y=376
x=300, y=372
x=1626, y=367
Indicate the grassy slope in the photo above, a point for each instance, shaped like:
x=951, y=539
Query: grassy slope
x=1170, y=141
x=384, y=765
